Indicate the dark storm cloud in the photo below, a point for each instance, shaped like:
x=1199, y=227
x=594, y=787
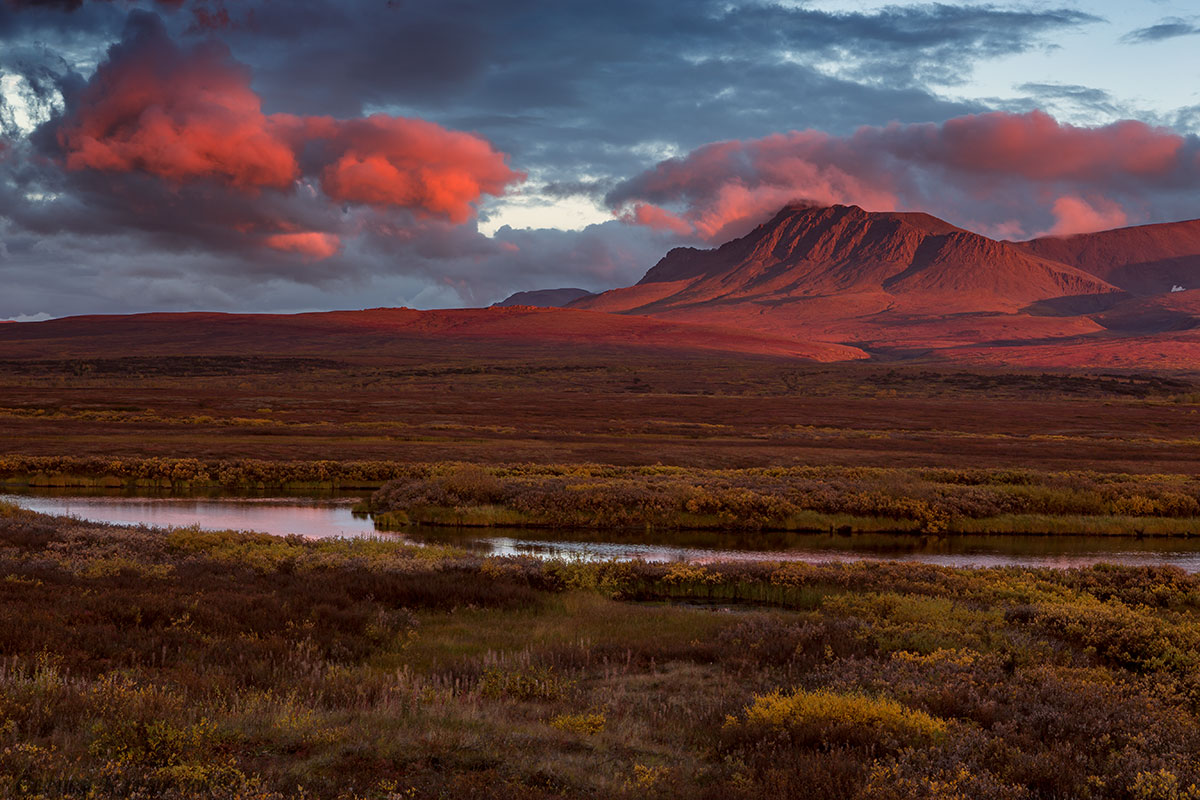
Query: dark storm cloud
x=1168, y=28
x=72, y=5
x=574, y=86
x=92, y=24
x=85, y=270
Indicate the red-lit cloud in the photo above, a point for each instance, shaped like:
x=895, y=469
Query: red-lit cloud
x=410, y=163
x=180, y=115
x=657, y=218
x=312, y=244
x=1076, y=215
x=1033, y=145
x=1006, y=161
x=188, y=115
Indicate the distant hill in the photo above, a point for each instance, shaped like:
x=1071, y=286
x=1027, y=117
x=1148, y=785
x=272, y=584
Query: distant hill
x=378, y=335
x=1143, y=260
x=543, y=298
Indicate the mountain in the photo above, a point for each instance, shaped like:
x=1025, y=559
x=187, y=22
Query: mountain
x=909, y=285
x=901, y=262
x=543, y=298
x=1143, y=260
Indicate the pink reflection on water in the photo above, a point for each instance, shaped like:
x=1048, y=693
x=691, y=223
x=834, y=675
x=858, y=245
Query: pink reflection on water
x=278, y=517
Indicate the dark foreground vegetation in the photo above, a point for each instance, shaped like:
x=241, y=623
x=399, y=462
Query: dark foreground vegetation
x=148, y=664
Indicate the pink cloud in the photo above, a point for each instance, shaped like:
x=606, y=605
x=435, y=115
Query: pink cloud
x=1076, y=215
x=1002, y=164
x=657, y=218
x=311, y=244
x=189, y=114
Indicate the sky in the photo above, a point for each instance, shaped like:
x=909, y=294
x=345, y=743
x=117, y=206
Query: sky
x=295, y=155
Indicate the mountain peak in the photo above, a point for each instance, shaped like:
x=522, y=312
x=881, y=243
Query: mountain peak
x=807, y=251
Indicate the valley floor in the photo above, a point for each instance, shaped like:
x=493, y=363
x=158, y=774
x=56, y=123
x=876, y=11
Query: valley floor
x=511, y=406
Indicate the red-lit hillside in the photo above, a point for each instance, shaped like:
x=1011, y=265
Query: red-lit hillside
x=1144, y=260
x=904, y=285
x=906, y=262
x=389, y=332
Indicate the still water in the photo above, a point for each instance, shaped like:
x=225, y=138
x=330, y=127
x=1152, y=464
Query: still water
x=324, y=517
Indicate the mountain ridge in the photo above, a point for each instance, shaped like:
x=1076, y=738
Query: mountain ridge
x=544, y=298
x=809, y=252
x=1141, y=259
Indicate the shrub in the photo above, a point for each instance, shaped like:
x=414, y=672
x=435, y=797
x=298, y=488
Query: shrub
x=829, y=718
x=585, y=724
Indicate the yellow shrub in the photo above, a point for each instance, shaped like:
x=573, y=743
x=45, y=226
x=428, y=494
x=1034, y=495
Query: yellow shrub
x=1161, y=785
x=586, y=724
x=827, y=717
x=531, y=684
x=689, y=573
x=645, y=778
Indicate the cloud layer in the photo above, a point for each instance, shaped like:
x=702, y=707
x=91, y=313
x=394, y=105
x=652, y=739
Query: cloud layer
x=271, y=155
x=1024, y=167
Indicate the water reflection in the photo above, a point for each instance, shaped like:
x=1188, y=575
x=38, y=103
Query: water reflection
x=952, y=551
x=279, y=516
x=324, y=517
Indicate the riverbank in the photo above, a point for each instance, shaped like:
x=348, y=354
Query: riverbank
x=181, y=475
x=222, y=665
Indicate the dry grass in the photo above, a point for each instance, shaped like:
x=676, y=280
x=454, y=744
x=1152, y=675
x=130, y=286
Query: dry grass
x=586, y=407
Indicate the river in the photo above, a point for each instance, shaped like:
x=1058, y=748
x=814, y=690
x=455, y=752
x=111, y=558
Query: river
x=327, y=517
